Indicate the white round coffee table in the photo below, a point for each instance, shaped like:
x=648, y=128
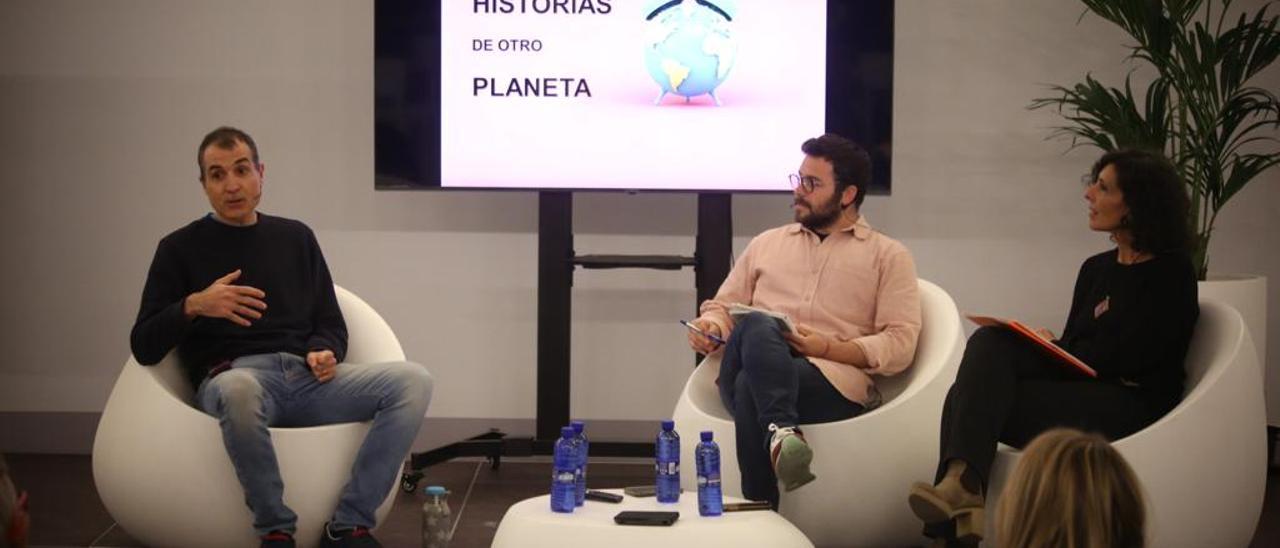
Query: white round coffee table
x=531, y=523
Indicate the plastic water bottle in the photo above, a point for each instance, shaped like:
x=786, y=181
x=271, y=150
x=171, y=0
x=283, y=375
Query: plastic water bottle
x=563, y=477
x=668, y=465
x=707, y=457
x=437, y=520
x=581, y=439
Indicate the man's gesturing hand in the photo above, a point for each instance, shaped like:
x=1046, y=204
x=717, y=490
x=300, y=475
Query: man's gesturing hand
x=323, y=365
x=237, y=303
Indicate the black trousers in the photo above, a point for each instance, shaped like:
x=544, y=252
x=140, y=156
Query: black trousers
x=1009, y=390
x=761, y=382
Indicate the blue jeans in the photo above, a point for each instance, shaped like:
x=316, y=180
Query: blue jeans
x=265, y=390
x=763, y=382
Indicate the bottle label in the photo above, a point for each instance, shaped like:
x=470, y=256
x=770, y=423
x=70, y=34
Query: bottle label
x=704, y=481
x=667, y=467
x=564, y=476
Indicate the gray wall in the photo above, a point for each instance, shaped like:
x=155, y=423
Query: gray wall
x=102, y=104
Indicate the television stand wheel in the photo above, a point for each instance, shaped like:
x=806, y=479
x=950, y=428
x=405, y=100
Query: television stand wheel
x=409, y=481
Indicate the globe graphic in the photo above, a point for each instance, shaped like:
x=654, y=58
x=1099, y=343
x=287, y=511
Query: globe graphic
x=689, y=49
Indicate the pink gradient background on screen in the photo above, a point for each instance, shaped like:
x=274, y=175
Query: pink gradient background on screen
x=618, y=139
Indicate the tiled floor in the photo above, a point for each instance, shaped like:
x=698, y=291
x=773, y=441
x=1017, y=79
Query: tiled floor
x=66, y=510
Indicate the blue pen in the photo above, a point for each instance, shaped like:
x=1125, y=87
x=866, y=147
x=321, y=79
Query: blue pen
x=695, y=329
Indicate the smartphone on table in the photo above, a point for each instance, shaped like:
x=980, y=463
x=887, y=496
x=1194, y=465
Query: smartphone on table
x=639, y=517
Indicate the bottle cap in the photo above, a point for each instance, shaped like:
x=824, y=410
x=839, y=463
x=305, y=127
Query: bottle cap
x=668, y=424
x=435, y=490
x=706, y=435
x=578, y=426
x=566, y=432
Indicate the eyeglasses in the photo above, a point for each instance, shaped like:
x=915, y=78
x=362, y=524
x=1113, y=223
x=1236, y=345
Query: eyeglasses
x=807, y=182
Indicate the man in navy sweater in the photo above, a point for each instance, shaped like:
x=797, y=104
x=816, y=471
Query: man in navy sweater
x=247, y=300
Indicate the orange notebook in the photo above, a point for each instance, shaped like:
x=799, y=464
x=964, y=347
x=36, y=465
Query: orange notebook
x=1027, y=333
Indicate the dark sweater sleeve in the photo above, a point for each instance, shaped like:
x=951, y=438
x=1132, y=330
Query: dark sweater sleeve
x=329, y=331
x=160, y=325
x=1084, y=280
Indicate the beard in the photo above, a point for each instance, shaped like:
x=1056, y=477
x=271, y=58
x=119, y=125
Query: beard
x=820, y=216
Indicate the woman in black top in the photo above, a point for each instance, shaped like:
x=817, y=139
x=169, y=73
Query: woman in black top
x=1131, y=320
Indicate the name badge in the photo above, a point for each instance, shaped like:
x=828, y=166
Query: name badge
x=1102, y=307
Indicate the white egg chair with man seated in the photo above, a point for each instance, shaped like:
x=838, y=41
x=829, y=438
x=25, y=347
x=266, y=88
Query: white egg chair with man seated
x=863, y=464
x=163, y=473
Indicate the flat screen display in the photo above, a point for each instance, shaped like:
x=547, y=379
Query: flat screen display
x=672, y=95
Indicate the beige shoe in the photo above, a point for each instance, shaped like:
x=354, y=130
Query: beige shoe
x=949, y=501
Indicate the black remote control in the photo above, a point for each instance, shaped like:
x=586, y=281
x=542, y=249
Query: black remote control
x=602, y=496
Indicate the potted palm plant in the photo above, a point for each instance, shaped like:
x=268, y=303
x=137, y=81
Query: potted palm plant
x=1201, y=110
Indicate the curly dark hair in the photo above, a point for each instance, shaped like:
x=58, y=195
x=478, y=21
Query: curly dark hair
x=1156, y=196
x=225, y=138
x=852, y=164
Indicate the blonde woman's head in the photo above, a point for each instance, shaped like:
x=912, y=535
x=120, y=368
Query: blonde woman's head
x=1071, y=490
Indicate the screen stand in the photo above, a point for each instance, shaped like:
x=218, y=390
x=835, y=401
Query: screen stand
x=713, y=247
x=711, y=261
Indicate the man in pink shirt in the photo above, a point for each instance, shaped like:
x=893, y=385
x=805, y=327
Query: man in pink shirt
x=852, y=295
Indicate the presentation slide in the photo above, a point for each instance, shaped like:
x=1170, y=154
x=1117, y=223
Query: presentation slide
x=629, y=94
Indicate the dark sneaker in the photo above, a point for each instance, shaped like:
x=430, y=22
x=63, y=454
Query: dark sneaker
x=358, y=537
x=277, y=539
